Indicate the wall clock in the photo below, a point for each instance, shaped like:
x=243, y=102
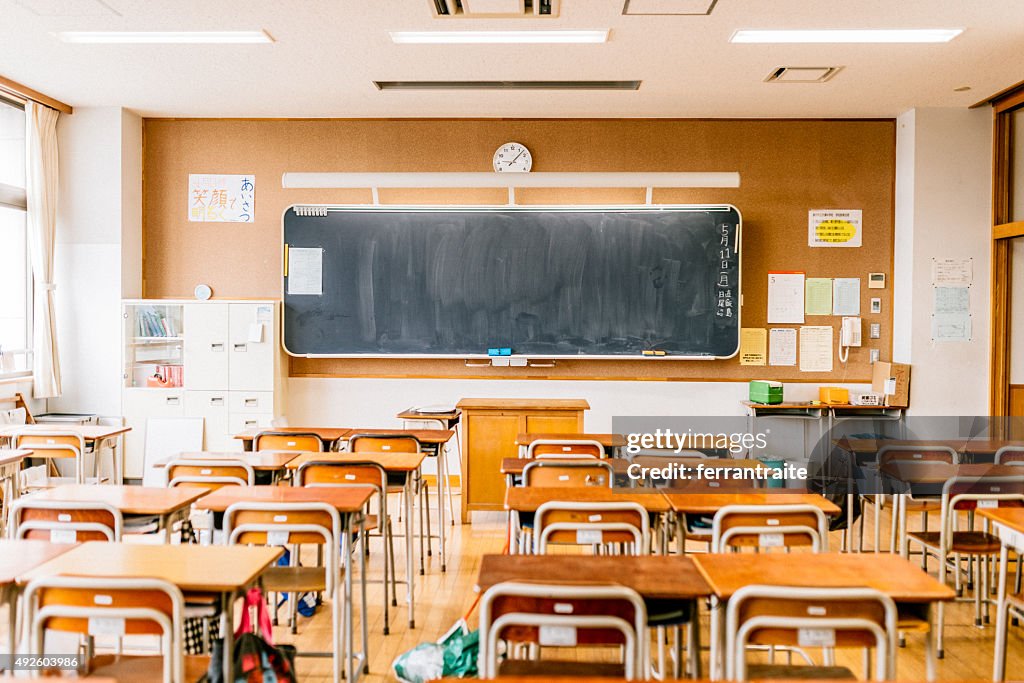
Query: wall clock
x=512, y=157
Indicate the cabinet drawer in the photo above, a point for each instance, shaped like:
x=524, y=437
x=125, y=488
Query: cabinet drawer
x=251, y=401
x=244, y=421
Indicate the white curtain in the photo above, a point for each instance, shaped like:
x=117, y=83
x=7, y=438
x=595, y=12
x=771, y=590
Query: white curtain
x=41, y=187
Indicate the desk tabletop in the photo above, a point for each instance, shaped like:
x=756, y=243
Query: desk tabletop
x=516, y=465
x=523, y=404
x=1012, y=518
x=710, y=503
x=19, y=556
x=12, y=455
x=87, y=432
x=390, y=460
x=261, y=461
x=529, y=498
x=924, y=472
x=427, y=436
x=976, y=445
x=414, y=414
x=671, y=577
x=328, y=434
x=606, y=440
x=890, y=574
x=130, y=500
x=192, y=568
x=345, y=499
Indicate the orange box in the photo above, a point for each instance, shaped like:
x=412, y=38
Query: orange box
x=830, y=395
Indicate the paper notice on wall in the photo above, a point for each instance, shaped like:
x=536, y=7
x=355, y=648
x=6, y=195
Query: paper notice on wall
x=846, y=296
x=952, y=272
x=951, y=327
x=305, y=271
x=816, y=348
x=834, y=227
x=782, y=346
x=221, y=198
x=818, y=299
x=785, y=297
x=952, y=300
x=753, y=345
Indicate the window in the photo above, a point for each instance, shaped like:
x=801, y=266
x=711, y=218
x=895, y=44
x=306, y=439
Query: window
x=15, y=272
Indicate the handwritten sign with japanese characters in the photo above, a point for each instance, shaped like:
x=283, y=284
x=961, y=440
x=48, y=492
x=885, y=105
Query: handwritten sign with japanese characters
x=221, y=198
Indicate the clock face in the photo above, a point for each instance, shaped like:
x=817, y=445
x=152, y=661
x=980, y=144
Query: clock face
x=512, y=157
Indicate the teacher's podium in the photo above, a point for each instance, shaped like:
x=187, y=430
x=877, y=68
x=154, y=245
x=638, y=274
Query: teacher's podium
x=489, y=429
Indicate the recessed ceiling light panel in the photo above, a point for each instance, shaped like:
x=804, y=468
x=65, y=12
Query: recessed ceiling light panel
x=164, y=37
x=498, y=37
x=802, y=74
x=669, y=7
x=507, y=85
x=883, y=35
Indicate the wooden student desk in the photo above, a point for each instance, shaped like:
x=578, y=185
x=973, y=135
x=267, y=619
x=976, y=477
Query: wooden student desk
x=513, y=467
x=272, y=462
x=612, y=443
x=905, y=583
x=10, y=467
x=975, y=446
x=92, y=435
x=16, y=558
x=1009, y=524
x=224, y=572
x=489, y=430
x=167, y=505
x=329, y=435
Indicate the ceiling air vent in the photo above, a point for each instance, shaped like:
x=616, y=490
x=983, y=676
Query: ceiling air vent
x=664, y=8
x=802, y=74
x=495, y=9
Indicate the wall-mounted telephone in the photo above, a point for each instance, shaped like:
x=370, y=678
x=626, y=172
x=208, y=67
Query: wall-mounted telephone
x=849, y=335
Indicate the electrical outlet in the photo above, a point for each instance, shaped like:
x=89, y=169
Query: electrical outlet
x=875, y=331
x=874, y=356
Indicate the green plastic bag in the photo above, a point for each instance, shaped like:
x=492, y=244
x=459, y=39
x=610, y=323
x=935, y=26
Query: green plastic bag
x=453, y=655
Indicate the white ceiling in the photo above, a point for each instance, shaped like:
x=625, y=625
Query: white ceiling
x=328, y=52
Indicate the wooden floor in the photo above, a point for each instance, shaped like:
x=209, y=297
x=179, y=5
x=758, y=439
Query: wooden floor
x=443, y=598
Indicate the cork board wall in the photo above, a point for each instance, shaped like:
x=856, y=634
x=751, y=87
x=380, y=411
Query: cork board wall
x=786, y=166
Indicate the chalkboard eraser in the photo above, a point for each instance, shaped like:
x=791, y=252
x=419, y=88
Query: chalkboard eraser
x=494, y=352
x=505, y=351
x=652, y=352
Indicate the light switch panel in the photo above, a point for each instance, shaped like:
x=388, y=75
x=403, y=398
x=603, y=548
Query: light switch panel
x=875, y=331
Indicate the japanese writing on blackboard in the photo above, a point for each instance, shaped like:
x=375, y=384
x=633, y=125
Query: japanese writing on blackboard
x=726, y=304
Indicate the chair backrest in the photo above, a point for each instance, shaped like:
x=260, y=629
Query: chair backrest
x=375, y=443
x=562, y=615
x=280, y=524
x=65, y=522
x=109, y=607
x=335, y=473
x=592, y=524
x=562, y=473
x=288, y=441
x=1010, y=455
x=564, y=448
x=960, y=494
x=209, y=474
x=56, y=444
x=888, y=454
x=769, y=526
x=810, y=617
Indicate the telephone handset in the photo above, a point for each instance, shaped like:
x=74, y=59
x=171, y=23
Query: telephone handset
x=849, y=335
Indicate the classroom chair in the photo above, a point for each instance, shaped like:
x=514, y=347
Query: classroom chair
x=55, y=445
x=298, y=525
x=361, y=473
x=923, y=504
x=395, y=443
x=769, y=526
x=1010, y=455
x=65, y=522
x=288, y=441
x=139, y=606
x=565, y=449
x=568, y=473
x=966, y=494
x=810, y=617
x=610, y=528
x=209, y=474
x=539, y=616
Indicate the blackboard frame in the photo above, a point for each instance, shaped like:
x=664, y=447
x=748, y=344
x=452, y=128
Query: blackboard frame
x=312, y=210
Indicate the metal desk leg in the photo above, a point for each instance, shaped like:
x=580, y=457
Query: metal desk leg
x=1002, y=616
x=9, y=597
x=694, y=635
x=442, y=485
x=410, y=597
x=227, y=632
x=717, y=637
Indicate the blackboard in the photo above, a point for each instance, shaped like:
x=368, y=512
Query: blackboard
x=543, y=282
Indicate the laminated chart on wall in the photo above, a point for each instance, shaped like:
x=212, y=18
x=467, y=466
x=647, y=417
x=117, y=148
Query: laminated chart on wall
x=306, y=271
x=846, y=296
x=951, y=314
x=782, y=346
x=819, y=296
x=816, y=348
x=952, y=272
x=753, y=345
x=785, y=297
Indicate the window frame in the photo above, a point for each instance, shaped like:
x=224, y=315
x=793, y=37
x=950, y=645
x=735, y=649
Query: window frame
x=15, y=198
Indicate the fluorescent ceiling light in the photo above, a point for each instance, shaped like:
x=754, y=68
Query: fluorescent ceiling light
x=507, y=37
x=868, y=35
x=489, y=179
x=165, y=37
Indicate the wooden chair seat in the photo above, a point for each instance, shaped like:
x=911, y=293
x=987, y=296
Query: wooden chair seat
x=142, y=669
x=371, y=522
x=550, y=668
x=797, y=673
x=913, y=624
x=967, y=542
x=923, y=505
x=294, y=579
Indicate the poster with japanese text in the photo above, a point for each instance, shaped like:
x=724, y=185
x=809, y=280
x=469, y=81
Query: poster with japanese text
x=221, y=198
x=834, y=227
